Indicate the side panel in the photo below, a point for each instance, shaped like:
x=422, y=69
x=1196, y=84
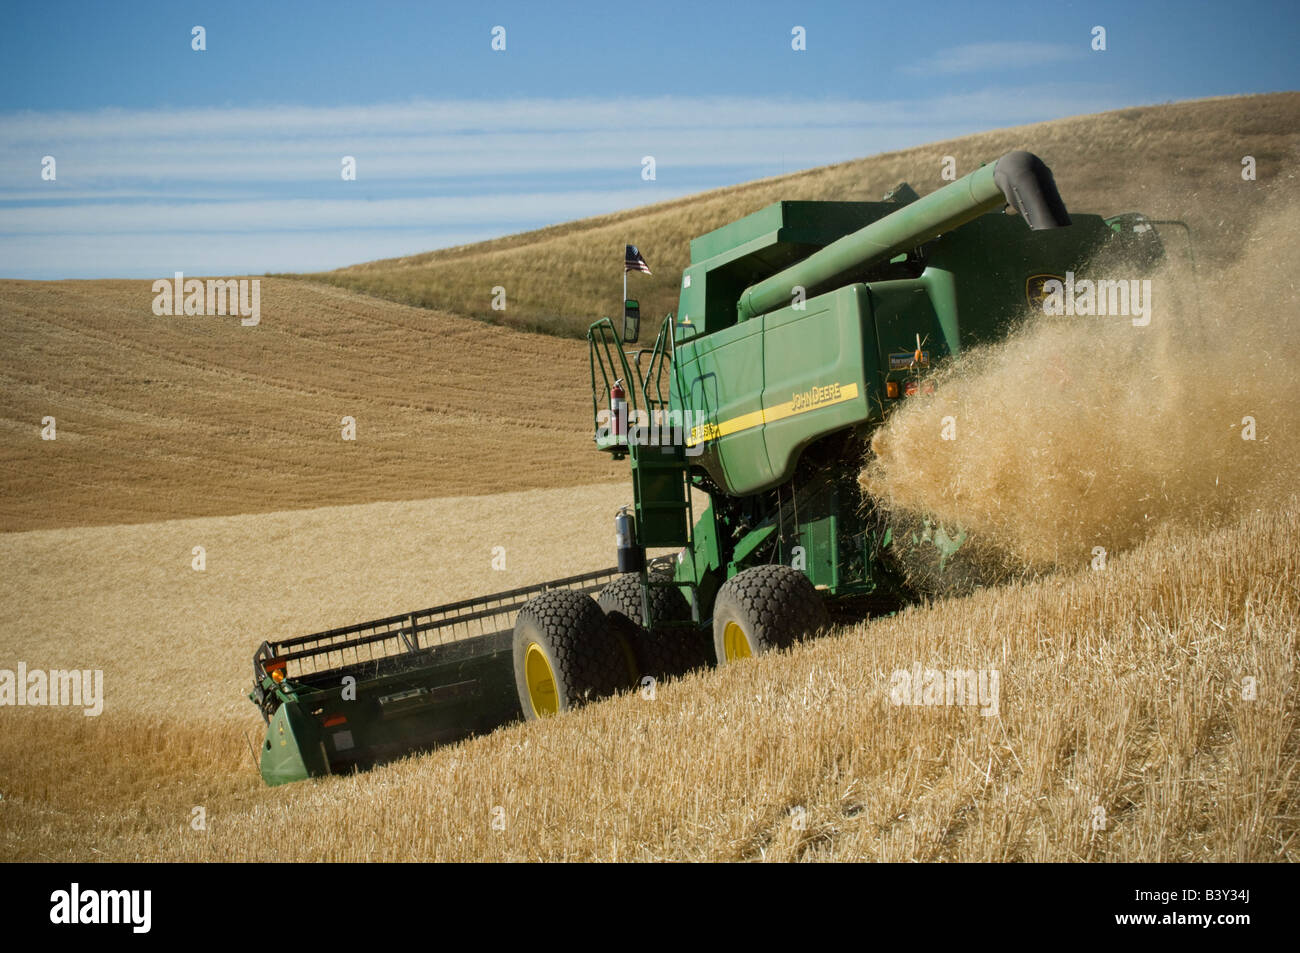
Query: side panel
x=723, y=376
x=995, y=260
x=292, y=750
x=819, y=365
x=701, y=563
x=819, y=538
x=906, y=315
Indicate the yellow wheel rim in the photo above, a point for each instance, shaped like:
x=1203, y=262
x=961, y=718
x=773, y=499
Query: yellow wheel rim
x=540, y=679
x=735, y=643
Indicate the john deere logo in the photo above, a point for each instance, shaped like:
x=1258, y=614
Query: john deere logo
x=1034, y=292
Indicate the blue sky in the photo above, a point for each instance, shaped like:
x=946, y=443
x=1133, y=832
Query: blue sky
x=227, y=161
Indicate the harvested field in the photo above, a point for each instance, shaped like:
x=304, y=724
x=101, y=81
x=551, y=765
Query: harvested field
x=1120, y=690
x=169, y=417
x=121, y=598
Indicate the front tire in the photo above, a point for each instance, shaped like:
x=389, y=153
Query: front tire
x=762, y=609
x=565, y=654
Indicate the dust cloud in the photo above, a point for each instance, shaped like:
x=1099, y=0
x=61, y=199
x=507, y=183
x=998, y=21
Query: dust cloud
x=1081, y=432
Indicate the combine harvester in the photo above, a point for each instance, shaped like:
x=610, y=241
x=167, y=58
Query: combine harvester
x=798, y=328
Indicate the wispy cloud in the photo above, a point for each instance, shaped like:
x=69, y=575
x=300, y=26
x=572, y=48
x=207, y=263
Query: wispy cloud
x=992, y=57
x=143, y=193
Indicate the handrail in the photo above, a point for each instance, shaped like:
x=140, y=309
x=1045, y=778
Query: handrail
x=603, y=342
x=654, y=372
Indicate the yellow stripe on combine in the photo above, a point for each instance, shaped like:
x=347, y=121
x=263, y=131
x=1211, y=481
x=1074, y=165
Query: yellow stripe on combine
x=809, y=400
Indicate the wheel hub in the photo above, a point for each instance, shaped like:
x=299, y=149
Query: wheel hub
x=540, y=678
x=735, y=643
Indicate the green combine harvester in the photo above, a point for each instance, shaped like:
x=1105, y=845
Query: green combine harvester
x=798, y=328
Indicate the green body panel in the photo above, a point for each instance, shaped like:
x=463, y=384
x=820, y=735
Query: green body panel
x=908, y=313
x=820, y=560
x=715, y=397
x=700, y=563
x=819, y=375
x=293, y=749
x=992, y=259
x=765, y=388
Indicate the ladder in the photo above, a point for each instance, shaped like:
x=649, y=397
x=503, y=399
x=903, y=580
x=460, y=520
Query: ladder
x=655, y=441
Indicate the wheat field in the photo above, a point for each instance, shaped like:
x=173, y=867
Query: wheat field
x=1121, y=730
x=1146, y=710
x=169, y=417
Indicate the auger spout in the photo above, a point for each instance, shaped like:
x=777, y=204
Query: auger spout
x=1020, y=179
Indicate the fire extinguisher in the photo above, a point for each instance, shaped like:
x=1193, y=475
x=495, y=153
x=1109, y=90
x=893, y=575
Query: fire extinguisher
x=631, y=555
x=618, y=408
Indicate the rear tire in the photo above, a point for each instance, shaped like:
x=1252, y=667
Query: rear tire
x=565, y=654
x=664, y=651
x=764, y=608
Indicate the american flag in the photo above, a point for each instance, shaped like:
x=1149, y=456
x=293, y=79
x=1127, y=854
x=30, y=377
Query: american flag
x=632, y=261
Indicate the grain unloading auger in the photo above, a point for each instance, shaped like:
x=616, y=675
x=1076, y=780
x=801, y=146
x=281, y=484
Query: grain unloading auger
x=798, y=328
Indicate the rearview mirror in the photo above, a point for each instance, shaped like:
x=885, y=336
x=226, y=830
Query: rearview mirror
x=631, y=322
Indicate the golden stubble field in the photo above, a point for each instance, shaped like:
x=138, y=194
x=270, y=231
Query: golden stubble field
x=175, y=641
x=167, y=417
x=1121, y=730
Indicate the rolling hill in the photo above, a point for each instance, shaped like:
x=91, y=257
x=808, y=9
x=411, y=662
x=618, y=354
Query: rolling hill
x=1181, y=160
x=168, y=417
